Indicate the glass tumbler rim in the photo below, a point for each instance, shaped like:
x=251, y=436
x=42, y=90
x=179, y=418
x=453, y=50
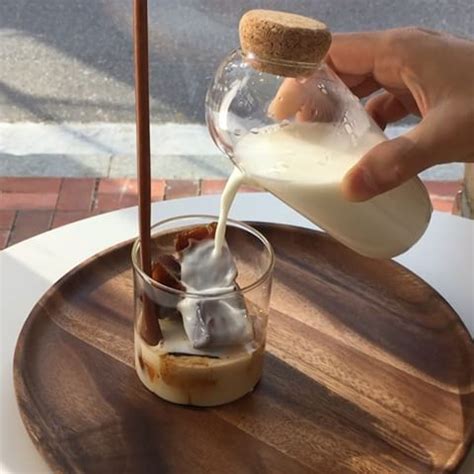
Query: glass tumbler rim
x=205, y=295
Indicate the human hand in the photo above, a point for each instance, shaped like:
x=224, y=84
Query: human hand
x=420, y=72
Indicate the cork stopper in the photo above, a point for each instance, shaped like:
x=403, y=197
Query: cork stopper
x=283, y=43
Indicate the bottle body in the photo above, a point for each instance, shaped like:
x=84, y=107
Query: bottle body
x=297, y=137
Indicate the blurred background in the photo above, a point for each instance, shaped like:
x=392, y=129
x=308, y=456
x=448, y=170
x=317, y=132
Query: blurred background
x=67, y=97
x=71, y=60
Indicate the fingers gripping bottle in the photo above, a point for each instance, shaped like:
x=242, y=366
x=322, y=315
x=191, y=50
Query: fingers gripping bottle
x=292, y=126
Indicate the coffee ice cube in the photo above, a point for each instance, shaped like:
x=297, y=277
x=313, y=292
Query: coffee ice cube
x=186, y=237
x=216, y=322
x=204, y=271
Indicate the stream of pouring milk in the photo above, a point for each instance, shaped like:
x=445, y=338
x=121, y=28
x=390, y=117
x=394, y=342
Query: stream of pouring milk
x=236, y=179
x=303, y=164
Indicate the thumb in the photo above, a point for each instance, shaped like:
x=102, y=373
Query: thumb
x=392, y=162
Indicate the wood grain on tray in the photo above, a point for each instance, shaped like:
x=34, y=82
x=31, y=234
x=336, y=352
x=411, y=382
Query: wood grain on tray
x=368, y=369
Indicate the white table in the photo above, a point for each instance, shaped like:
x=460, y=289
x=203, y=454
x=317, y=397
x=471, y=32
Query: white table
x=444, y=258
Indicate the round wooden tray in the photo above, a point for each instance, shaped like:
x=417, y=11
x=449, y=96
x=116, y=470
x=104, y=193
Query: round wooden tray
x=367, y=369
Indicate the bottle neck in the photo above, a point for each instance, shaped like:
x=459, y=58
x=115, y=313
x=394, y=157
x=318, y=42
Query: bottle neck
x=280, y=67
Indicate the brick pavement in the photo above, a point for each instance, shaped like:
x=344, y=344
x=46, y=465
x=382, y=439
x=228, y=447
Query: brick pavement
x=29, y=206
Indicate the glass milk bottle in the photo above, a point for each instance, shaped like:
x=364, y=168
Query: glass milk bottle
x=291, y=126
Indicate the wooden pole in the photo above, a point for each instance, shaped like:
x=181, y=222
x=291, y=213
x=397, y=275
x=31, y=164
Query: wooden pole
x=151, y=329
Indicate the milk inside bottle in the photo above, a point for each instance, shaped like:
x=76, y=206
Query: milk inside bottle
x=304, y=164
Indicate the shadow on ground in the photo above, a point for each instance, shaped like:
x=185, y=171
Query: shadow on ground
x=188, y=39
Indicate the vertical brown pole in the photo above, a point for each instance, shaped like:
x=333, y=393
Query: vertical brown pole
x=143, y=128
x=150, y=329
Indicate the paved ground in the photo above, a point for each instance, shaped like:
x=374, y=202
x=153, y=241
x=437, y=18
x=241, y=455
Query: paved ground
x=71, y=60
x=108, y=150
x=29, y=206
x=69, y=63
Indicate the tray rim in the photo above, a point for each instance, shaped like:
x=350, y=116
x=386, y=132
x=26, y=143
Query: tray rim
x=459, y=455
